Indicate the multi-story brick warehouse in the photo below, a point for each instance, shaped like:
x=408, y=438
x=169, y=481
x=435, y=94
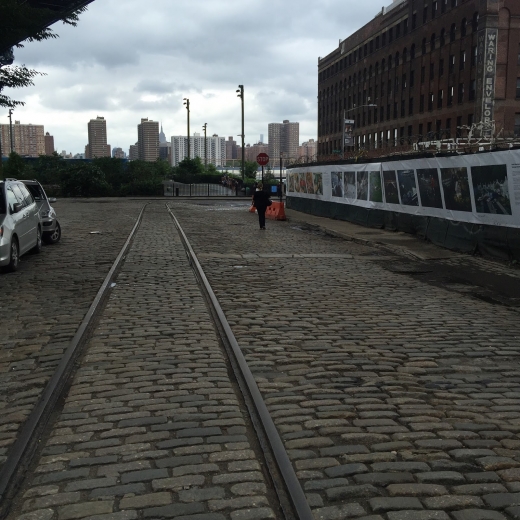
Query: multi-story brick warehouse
x=420, y=69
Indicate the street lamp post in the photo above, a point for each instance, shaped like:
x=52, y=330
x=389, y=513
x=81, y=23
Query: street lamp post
x=11, y=128
x=241, y=95
x=204, y=127
x=345, y=112
x=187, y=104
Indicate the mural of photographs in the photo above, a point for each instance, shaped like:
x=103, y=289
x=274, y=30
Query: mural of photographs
x=309, y=182
x=362, y=185
x=375, y=188
x=491, y=189
x=349, y=185
x=337, y=184
x=290, y=185
x=455, y=185
x=391, y=191
x=302, y=183
x=429, y=188
x=407, y=187
x=318, y=183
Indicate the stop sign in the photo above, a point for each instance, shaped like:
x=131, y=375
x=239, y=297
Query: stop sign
x=262, y=159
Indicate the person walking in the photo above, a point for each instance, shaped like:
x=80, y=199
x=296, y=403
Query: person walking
x=261, y=201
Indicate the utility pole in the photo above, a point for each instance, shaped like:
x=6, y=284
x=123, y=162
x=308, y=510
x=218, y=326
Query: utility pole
x=241, y=95
x=204, y=127
x=11, y=128
x=187, y=104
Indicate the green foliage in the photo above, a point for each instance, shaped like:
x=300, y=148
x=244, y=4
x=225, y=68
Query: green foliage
x=84, y=180
x=189, y=167
x=250, y=169
x=15, y=167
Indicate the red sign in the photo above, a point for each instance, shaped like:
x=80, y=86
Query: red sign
x=262, y=159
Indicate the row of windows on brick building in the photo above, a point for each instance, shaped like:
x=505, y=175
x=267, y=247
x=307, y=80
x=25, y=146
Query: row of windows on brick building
x=358, y=54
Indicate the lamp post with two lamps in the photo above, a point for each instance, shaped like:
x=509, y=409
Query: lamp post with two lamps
x=345, y=112
x=187, y=104
x=240, y=91
x=204, y=127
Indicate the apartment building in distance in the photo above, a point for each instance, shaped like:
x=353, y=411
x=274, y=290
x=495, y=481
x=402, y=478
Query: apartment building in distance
x=308, y=150
x=216, y=149
x=49, y=143
x=28, y=139
x=420, y=70
x=97, y=139
x=231, y=149
x=148, y=140
x=252, y=151
x=133, y=152
x=283, y=138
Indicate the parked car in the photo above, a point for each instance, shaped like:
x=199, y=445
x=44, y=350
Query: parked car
x=20, y=223
x=51, y=227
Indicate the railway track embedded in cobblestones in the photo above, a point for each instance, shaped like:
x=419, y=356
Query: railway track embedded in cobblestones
x=289, y=490
x=20, y=455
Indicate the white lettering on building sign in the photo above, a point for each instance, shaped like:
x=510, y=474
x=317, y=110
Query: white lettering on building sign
x=487, y=64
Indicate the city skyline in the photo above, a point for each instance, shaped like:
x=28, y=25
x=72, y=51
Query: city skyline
x=141, y=64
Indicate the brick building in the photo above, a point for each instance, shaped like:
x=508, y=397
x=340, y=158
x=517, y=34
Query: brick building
x=28, y=139
x=419, y=70
x=148, y=140
x=49, y=144
x=97, y=139
x=283, y=138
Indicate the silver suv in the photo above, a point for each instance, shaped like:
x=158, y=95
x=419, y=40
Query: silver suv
x=50, y=226
x=20, y=223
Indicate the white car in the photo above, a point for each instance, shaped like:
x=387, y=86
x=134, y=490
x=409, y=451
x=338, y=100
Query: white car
x=51, y=227
x=20, y=223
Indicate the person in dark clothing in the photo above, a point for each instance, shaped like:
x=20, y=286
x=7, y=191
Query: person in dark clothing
x=260, y=200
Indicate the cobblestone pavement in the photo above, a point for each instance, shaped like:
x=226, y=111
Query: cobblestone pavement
x=395, y=399
x=44, y=302
x=152, y=426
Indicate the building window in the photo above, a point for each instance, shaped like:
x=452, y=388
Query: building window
x=404, y=81
x=395, y=110
x=440, y=97
x=382, y=114
x=470, y=119
x=412, y=78
x=387, y=112
x=453, y=32
x=452, y=63
x=375, y=115
x=448, y=127
x=383, y=39
x=444, y=3
x=412, y=52
x=405, y=55
x=450, y=96
x=517, y=125
x=460, y=93
x=463, y=25
x=410, y=107
x=421, y=130
x=377, y=42
x=414, y=20
x=518, y=88
x=438, y=128
x=442, y=39
x=434, y=9
x=403, y=107
x=432, y=71
x=397, y=31
x=371, y=46
x=459, y=124
x=425, y=15
x=453, y=3
x=474, y=52
x=383, y=65
x=423, y=73
x=389, y=89
x=432, y=42
x=429, y=130
x=441, y=67
x=410, y=130
x=421, y=104
x=472, y=89
x=474, y=22
x=423, y=46
x=430, y=101
x=462, y=61
x=397, y=59
x=405, y=26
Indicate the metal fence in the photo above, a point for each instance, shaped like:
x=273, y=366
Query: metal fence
x=199, y=190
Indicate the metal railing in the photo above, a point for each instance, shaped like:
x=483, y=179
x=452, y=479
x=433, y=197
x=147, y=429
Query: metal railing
x=200, y=190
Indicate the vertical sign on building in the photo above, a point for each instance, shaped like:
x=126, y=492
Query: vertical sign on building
x=348, y=132
x=486, y=73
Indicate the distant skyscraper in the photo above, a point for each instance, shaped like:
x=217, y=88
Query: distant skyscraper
x=283, y=138
x=133, y=152
x=231, y=149
x=28, y=140
x=261, y=138
x=148, y=140
x=162, y=136
x=216, y=149
x=97, y=139
x=308, y=149
x=118, y=153
x=49, y=144
x=252, y=151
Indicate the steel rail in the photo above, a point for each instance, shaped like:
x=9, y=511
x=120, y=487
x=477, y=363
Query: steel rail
x=293, y=486
x=24, y=447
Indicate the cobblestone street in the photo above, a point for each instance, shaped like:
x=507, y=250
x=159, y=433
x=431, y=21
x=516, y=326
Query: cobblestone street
x=395, y=399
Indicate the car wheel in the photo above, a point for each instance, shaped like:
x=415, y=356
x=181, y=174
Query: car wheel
x=14, y=257
x=38, y=247
x=53, y=236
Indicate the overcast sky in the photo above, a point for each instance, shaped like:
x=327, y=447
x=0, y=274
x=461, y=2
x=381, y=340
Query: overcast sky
x=133, y=59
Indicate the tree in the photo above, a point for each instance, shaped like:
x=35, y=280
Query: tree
x=14, y=167
x=21, y=21
x=250, y=169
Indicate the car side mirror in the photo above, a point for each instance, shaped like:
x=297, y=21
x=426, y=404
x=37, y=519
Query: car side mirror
x=17, y=207
x=52, y=199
